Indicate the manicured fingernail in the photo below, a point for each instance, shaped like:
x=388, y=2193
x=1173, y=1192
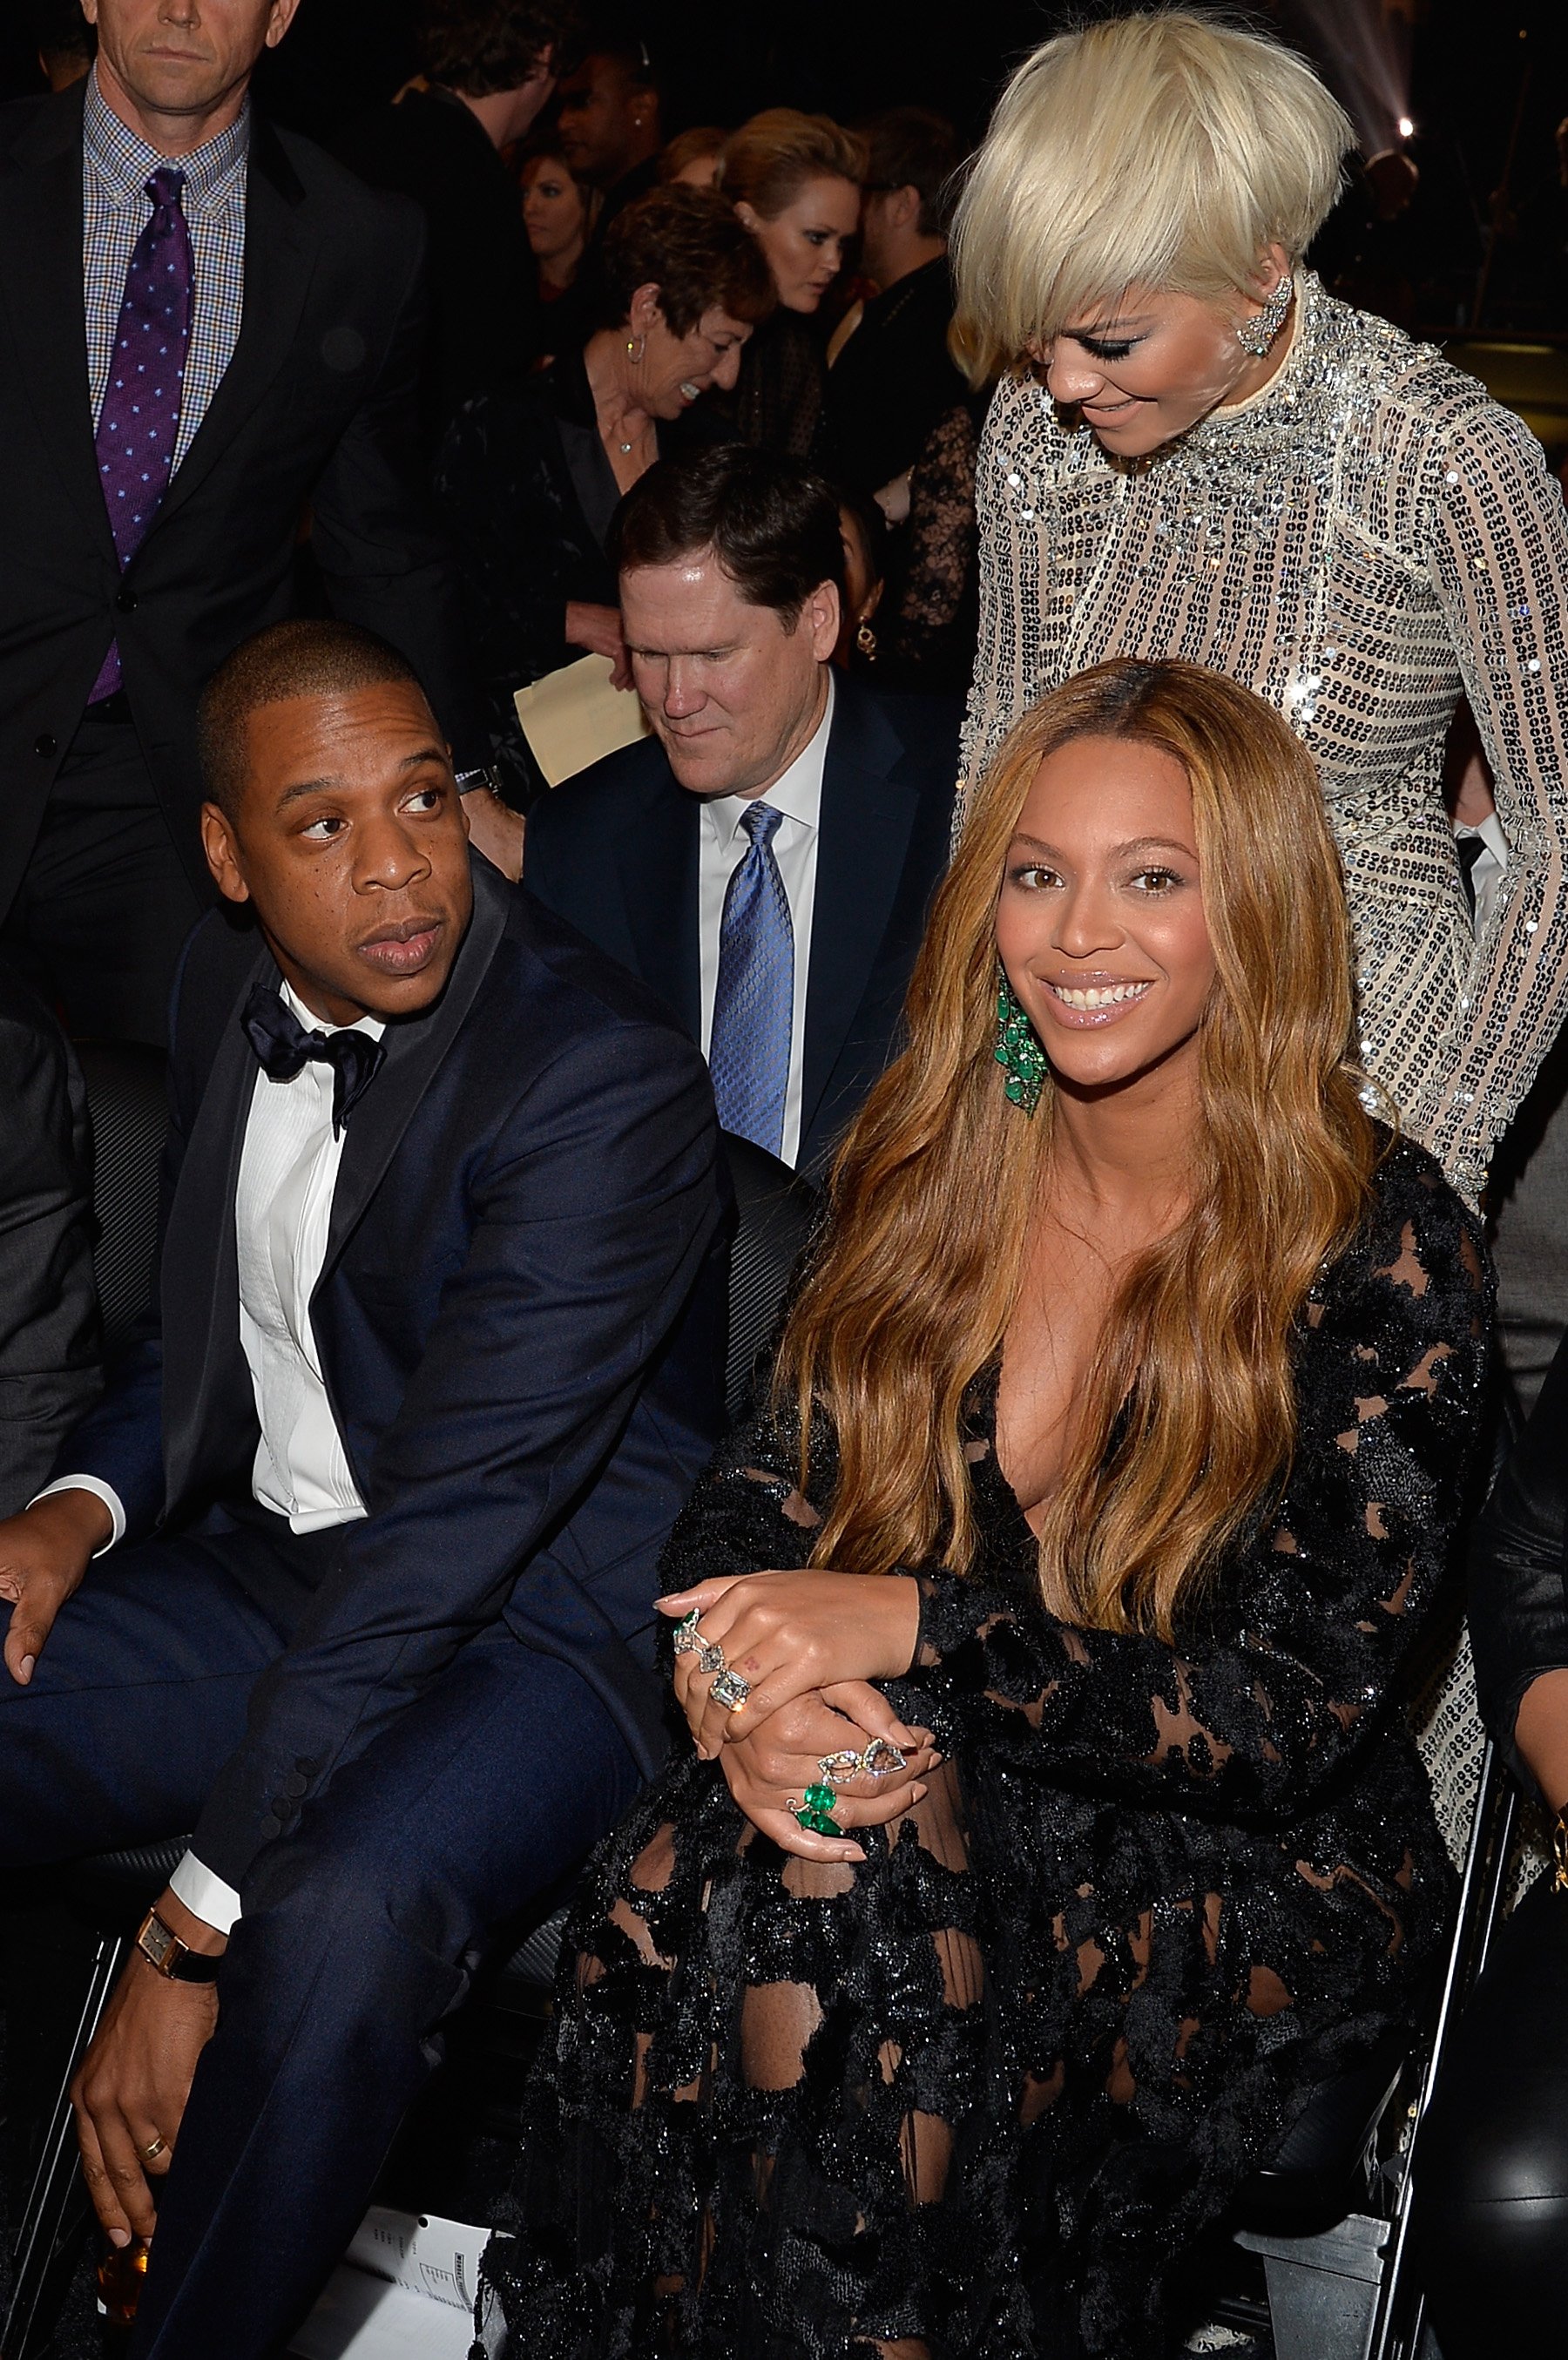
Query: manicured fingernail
x=916, y=1793
x=28, y=1663
x=937, y=1758
x=119, y=2239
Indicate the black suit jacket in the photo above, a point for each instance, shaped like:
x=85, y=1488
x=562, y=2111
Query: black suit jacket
x=314, y=415
x=616, y=851
x=48, y=1304
x=484, y=282
x=519, y=1321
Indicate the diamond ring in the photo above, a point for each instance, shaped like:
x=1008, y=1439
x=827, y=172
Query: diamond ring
x=879, y=1760
x=729, y=1689
x=687, y=1639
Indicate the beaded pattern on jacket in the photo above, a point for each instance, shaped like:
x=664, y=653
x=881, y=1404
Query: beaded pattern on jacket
x=1360, y=542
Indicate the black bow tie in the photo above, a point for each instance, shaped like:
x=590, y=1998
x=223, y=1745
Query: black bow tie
x=283, y=1047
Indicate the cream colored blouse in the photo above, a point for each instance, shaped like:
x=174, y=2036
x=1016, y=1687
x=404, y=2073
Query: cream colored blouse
x=1362, y=540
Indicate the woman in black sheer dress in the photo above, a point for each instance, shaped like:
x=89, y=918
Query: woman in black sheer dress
x=1140, y=1368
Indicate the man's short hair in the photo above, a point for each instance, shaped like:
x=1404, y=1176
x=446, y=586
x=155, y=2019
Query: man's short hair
x=773, y=526
x=915, y=147
x=696, y=250
x=303, y=658
x=61, y=30
x=481, y=46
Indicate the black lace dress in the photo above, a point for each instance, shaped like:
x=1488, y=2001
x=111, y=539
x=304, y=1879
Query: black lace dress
x=980, y=2091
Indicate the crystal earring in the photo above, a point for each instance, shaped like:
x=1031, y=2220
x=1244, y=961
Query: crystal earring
x=865, y=641
x=1018, y=1050
x=1257, y=334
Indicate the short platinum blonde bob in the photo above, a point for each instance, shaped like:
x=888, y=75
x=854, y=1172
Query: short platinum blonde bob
x=1163, y=149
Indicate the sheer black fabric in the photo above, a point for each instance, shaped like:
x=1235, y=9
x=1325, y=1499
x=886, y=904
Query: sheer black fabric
x=931, y=613
x=969, y=2101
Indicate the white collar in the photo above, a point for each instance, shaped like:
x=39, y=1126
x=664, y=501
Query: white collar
x=373, y=1025
x=798, y=792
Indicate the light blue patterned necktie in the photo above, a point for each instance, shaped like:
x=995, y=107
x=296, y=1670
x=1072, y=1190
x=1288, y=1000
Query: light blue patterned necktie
x=754, y=1006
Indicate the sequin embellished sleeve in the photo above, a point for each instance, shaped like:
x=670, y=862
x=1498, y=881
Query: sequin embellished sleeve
x=1007, y=660
x=1496, y=545
x=1260, y=1709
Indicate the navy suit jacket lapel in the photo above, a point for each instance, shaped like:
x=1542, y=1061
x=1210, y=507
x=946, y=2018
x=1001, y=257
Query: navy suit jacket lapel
x=414, y=1053
x=40, y=270
x=863, y=841
x=658, y=857
x=206, y=1384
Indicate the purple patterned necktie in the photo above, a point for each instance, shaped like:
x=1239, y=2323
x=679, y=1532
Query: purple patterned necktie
x=139, y=427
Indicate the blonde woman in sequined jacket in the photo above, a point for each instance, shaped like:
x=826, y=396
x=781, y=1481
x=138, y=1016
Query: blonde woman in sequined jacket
x=1194, y=450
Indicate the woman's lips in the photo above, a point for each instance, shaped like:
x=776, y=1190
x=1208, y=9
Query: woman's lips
x=404, y=949
x=1090, y=1007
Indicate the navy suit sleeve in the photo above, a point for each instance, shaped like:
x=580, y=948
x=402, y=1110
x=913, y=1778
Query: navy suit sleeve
x=49, y=1308
x=593, y=1211
x=377, y=536
x=121, y=1441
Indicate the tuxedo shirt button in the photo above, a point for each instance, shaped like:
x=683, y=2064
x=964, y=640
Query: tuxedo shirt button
x=45, y=746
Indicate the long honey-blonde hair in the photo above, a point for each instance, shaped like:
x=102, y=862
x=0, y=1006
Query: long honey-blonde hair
x=1188, y=1415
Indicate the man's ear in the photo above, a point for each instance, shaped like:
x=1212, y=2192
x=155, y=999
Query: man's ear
x=905, y=205
x=283, y=14
x=822, y=612
x=222, y=855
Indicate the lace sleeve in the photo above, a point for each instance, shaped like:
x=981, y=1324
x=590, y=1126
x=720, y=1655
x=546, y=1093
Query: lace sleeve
x=748, y=1512
x=940, y=546
x=1306, y=1628
x=1497, y=548
x=1007, y=664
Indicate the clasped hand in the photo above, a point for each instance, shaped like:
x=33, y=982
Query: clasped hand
x=809, y=1644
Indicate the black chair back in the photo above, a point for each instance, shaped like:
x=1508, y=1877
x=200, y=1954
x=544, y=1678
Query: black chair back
x=127, y=1100
x=776, y=1212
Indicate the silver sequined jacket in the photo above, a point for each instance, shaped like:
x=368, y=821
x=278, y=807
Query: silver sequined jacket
x=1362, y=541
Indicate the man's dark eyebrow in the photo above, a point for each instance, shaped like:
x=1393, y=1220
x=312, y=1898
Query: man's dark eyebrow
x=329, y=786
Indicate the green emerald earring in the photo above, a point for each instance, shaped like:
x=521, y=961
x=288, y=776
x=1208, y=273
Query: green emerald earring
x=1018, y=1050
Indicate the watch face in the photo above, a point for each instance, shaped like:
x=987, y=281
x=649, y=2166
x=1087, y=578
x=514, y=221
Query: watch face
x=157, y=1941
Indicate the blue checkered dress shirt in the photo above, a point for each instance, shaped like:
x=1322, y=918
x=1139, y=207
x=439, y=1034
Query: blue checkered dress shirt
x=115, y=168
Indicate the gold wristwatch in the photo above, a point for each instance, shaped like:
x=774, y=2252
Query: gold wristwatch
x=175, y=1960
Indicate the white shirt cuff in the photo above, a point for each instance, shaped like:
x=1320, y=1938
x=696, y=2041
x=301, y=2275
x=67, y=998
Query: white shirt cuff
x=205, y=1894
x=104, y=1492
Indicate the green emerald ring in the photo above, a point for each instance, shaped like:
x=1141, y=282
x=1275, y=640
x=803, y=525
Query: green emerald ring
x=816, y=1814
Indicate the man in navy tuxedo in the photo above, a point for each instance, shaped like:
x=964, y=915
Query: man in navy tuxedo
x=352, y=1570
x=766, y=860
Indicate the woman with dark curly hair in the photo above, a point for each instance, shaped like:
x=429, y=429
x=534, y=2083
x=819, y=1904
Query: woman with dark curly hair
x=1052, y=1827
x=531, y=479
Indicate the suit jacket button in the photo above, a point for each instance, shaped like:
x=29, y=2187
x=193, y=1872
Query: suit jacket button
x=272, y=1825
x=127, y=601
x=45, y=746
x=295, y=1784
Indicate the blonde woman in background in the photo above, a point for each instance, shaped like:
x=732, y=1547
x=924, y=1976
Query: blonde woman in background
x=1193, y=451
x=1048, y=1834
x=794, y=180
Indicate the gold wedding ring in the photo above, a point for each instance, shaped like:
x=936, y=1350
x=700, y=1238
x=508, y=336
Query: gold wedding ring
x=151, y=2154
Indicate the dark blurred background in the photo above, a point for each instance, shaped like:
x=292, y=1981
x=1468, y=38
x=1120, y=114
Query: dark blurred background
x=1484, y=88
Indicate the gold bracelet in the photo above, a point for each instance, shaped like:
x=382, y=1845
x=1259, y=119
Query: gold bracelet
x=1560, y=1851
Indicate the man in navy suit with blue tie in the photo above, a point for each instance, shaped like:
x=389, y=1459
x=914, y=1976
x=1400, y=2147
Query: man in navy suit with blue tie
x=352, y=1570
x=766, y=860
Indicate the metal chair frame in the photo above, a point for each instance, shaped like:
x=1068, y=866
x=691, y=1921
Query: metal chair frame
x=1349, y=2292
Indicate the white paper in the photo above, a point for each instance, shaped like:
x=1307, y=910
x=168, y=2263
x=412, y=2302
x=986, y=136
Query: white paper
x=572, y=717
x=405, y=2292
x=361, y=2318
